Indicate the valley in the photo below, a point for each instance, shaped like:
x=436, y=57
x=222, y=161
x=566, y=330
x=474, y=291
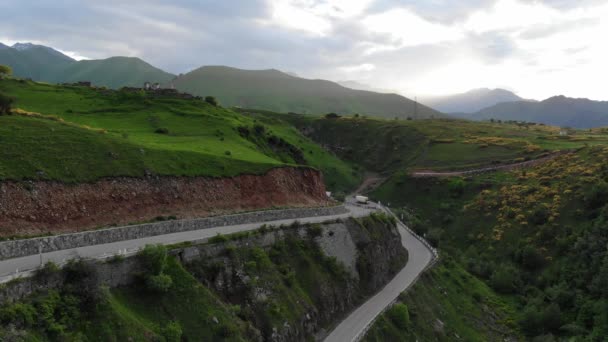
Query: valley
x=502, y=203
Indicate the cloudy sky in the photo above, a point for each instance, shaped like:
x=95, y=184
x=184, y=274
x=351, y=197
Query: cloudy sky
x=537, y=48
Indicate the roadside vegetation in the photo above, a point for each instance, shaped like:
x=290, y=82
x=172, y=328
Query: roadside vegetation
x=446, y=304
x=536, y=236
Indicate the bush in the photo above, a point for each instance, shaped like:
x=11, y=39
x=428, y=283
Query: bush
x=597, y=196
x=456, y=187
x=6, y=103
x=154, y=258
x=159, y=283
x=212, y=101
x=332, y=116
x=399, y=315
x=314, y=230
x=505, y=279
x=161, y=131
x=5, y=71
x=173, y=332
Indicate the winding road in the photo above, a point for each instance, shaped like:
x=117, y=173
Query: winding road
x=352, y=328
x=24, y=266
x=421, y=255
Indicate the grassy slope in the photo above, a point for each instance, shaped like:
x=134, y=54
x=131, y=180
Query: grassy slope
x=536, y=236
x=280, y=92
x=94, y=133
x=445, y=303
x=388, y=145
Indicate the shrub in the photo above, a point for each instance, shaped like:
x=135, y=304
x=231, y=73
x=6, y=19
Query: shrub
x=6, y=102
x=505, y=279
x=399, y=315
x=173, y=332
x=161, y=131
x=154, y=258
x=228, y=153
x=332, y=116
x=5, y=71
x=314, y=230
x=159, y=283
x=456, y=187
x=218, y=238
x=212, y=101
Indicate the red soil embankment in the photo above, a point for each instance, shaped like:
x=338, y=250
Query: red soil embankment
x=29, y=208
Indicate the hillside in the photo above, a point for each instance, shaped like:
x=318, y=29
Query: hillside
x=280, y=92
x=36, y=62
x=558, y=111
x=536, y=236
x=113, y=72
x=386, y=146
x=42, y=63
x=80, y=134
x=471, y=101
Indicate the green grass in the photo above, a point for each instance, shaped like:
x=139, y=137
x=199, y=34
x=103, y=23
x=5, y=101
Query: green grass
x=388, y=146
x=77, y=134
x=535, y=236
x=445, y=303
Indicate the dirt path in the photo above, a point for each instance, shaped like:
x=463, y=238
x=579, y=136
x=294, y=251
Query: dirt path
x=505, y=167
x=370, y=182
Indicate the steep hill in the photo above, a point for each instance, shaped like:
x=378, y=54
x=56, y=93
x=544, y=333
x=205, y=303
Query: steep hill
x=42, y=63
x=536, y=236
x=34, y=61
x=557, y=110
x=81, y=134
x=471, y=101
x=280, y=92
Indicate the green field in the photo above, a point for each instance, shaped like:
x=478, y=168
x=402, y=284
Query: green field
x=81, y=134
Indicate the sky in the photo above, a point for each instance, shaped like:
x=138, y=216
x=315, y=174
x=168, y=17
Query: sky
x=536, y=48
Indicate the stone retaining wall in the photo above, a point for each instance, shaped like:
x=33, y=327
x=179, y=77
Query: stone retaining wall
x=20, y=248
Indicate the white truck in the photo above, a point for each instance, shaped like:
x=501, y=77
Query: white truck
x=361, y=199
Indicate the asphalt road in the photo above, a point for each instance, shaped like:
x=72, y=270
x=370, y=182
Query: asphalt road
x=355, y=325
x=12, y=268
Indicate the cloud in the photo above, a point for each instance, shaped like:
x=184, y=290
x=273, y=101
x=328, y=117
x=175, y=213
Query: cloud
x=415, y=46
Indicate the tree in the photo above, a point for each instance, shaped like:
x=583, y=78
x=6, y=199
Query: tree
x=6, y=103
x=212, y=101
x=5, y=71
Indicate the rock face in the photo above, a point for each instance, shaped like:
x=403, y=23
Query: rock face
x=369, y=249
x=290, y=284
x=28, y=208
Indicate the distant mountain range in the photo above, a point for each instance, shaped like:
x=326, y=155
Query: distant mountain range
x=471, y=101
x=42, y=63
x=282, y=92
x=259, y=89
x=557, y=111
x=278, y=91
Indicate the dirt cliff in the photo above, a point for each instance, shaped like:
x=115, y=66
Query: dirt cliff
x=35, y=207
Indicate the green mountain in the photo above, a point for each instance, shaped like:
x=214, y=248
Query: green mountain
x=557, y=111
x=34, y=61
x=43, y=63
x=113, y=72
x=280, y=92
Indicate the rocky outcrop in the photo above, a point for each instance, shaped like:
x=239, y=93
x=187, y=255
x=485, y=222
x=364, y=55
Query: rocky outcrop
x=37, y=207
x=369, y=249
x=289, y=283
